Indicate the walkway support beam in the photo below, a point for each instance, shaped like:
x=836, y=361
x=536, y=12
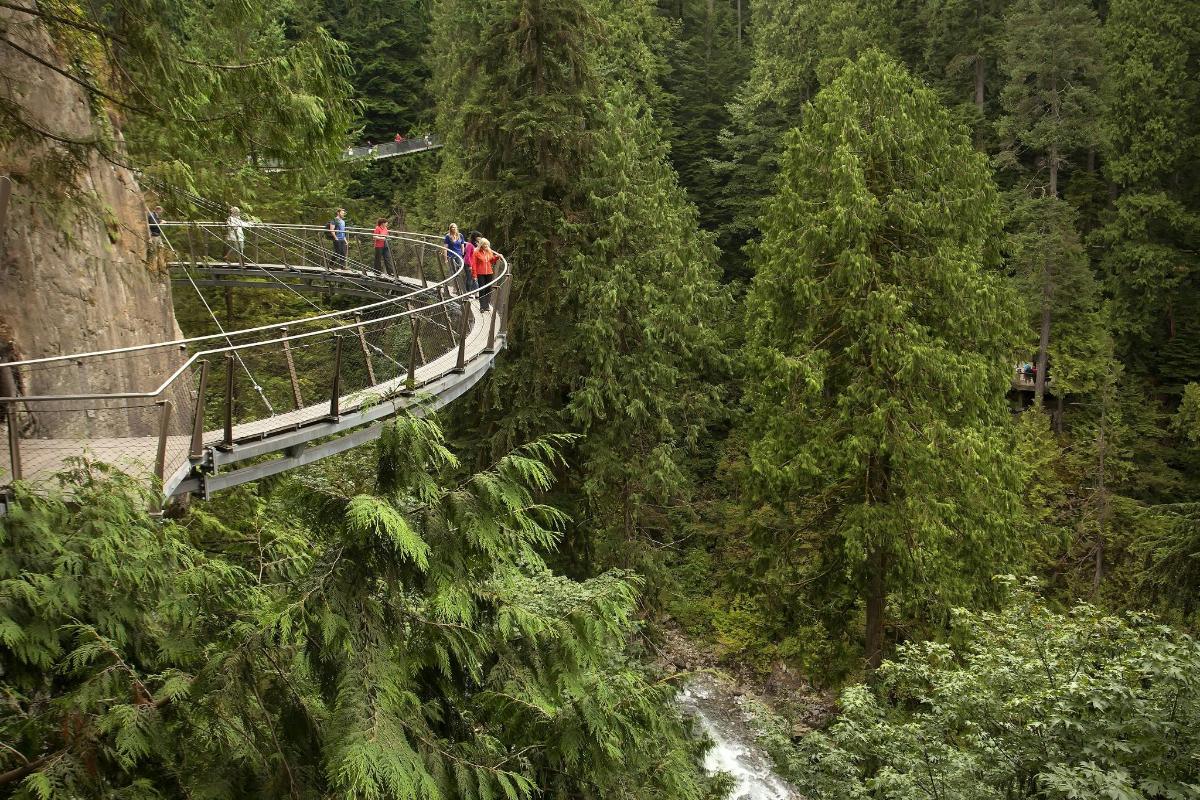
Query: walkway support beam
x=366, y=351
x=197, y=448
x=291, y=365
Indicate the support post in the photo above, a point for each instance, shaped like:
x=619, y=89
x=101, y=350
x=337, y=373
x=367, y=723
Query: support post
x=8, y=388
x=197, y=448
x=504, y=303
x=421, y=267
x=164, y=429
x=462, y=336
x=335, y=392
x=410, y=383
x=366, y=351
x=291, y=365
x=227, y=441
x=491, y=342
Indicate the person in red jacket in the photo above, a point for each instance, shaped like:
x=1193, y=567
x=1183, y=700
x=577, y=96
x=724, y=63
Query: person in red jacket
x=383, y=253
x=482, y=263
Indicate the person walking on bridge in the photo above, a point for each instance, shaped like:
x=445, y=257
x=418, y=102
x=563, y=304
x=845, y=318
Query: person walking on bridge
x=235, y=236
x=455, y=243
x=383, y=253
x=469, y=258
x=481, y=263
x=337, y=232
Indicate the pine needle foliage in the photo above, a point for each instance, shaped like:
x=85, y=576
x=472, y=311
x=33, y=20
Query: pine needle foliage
x=388, y=634
x=616, y=305
x=878, y=336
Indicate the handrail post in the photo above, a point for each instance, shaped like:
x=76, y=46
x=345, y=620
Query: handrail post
x=335, y=392
x=291, y=365
x=197, y=448
x=362, y=341
x=504, y=303
x=410, y=383
x=421, y=266
x=227, y=440
x=8, y=386
x=462, y=336
x=496, y=308
x=164, y=428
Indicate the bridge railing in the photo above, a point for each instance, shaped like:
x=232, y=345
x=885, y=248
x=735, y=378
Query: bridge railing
x=158, y=407
x=386, y=149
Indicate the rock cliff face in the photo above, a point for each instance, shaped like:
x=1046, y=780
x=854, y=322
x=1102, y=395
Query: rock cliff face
x=74, y=270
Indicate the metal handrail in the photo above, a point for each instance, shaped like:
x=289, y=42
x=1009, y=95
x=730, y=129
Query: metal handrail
x=497, y=278
x=229, y=334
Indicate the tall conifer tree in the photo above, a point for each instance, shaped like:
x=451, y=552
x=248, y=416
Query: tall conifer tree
x=878, y=349
x=615, y=298
x=798, y=47
x=1151, y=132
x=1051, y=59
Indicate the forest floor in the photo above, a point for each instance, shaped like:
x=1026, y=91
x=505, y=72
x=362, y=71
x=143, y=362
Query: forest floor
x=783, y=692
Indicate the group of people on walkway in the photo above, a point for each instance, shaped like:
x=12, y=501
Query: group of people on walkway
x=478, y=258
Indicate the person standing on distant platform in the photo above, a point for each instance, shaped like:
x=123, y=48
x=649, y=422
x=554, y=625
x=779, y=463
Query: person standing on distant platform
x=337, y=232
x=383, y=253
x=235, y=236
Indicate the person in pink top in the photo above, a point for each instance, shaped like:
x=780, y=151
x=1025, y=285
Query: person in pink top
x=383, y=253
x=469, y=259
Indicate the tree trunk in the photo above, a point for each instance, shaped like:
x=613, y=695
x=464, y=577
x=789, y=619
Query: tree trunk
x=1039, y=385
x=709, y=33
x=1102, y=488
x=876, y=600
x=980, y=68
x=739, y=23
x=1052, y=157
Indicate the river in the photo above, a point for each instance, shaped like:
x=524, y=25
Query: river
x=734, y=750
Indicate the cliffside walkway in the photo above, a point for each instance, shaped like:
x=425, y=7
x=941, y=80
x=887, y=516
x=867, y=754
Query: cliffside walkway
x=210, y=412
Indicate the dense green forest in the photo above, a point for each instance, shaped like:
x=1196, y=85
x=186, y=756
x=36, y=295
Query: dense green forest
x=776, y=264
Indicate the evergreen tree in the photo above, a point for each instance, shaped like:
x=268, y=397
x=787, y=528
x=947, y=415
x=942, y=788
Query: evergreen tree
x=961, y=54
x=877, y=354
x=1151, y=131
x=387, y=44
x=614, y=297
x=708, y=66
x=798, y=47
x=1051, y=60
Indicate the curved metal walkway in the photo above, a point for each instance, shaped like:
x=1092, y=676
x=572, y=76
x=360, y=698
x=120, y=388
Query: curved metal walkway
x=209, y=412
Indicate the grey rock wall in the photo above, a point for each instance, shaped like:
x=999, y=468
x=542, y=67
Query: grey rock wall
x=74, y=271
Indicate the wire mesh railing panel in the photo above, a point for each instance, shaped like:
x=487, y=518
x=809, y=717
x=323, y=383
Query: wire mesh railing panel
x=137, y=437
